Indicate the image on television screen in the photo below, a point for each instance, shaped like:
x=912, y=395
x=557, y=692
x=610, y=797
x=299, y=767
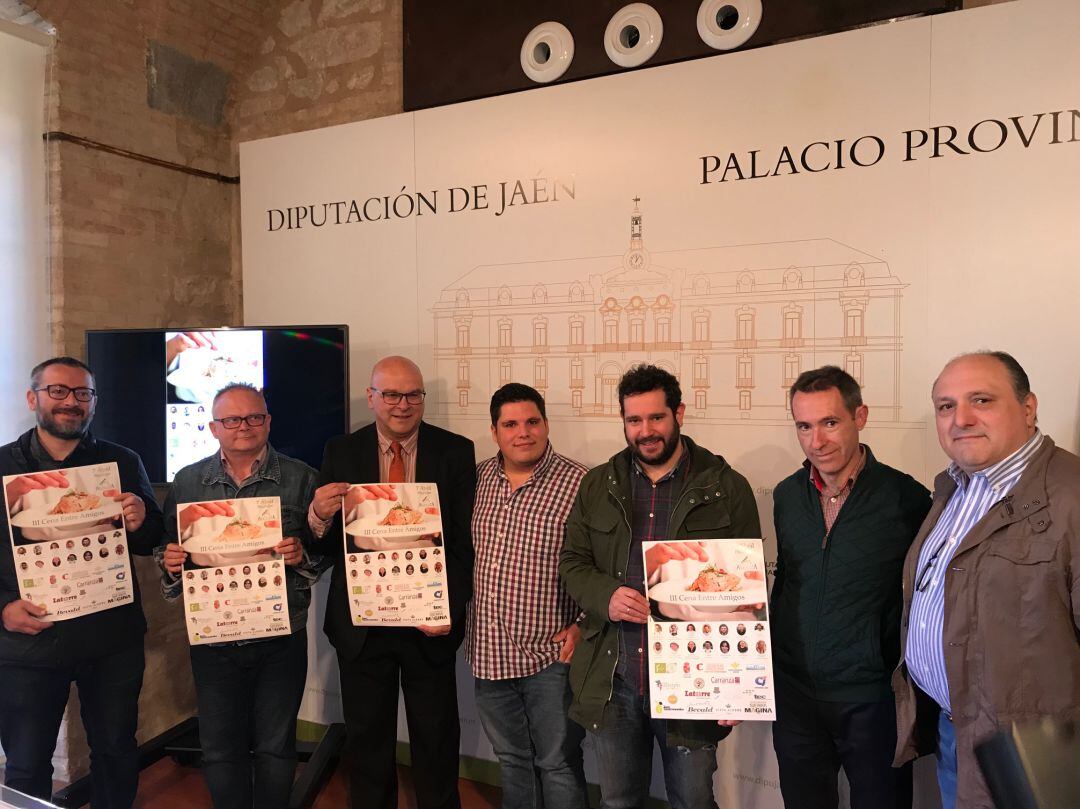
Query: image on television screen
x=156, y=388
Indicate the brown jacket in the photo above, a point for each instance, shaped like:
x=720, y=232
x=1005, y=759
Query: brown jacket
x=1012, y=613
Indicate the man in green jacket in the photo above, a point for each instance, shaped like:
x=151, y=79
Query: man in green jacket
x=844, y=522
x=661, y=487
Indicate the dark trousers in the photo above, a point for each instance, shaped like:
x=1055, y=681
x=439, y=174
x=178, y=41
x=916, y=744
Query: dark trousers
x=32, y=701
x=369, y=699
x=248, y=697
x=813, y=739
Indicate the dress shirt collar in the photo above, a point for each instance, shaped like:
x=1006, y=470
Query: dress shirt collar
x=1007, y=469
x=227, y=468
x=408, y=445
x=538, y=471
x=819, y=482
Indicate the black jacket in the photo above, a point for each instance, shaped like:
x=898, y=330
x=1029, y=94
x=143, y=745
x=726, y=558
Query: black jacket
x=835, y=607
x=443, y=458
x=88, y=636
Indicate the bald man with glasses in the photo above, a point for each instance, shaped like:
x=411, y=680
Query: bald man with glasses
x=101, y=653
x=399, y=448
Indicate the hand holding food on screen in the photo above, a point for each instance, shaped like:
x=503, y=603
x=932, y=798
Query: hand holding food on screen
x=22, y=484
x=290, y=550
x=196, y=511
x=184, y=340
x=25, y=617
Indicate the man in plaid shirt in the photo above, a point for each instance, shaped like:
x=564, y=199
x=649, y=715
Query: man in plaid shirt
x=521, y=628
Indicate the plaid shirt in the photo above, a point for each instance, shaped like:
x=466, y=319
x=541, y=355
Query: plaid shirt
x=518, y=601
x=832, y=502
x=650, y=518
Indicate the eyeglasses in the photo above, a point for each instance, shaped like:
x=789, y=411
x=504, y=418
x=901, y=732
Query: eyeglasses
x=61, y=392
x=253, y=420
x=392, y=397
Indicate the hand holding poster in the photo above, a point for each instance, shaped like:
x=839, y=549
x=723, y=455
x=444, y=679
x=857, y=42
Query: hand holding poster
x=709, y=647
x=394, y=562
x=68, y=539
x=234, y=583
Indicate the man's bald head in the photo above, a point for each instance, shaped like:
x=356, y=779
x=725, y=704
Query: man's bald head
x=396, y=364
x=395, y=379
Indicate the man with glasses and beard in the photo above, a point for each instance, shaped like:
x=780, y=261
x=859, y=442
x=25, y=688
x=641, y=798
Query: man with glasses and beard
x=662, y=486
x=102, y=653
x=399, y=448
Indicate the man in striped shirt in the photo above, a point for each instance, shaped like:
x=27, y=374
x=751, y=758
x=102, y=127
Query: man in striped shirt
x=521, y=628
x=992, y=599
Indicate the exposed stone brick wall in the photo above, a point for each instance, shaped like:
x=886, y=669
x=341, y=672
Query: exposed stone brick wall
x=134, y=244
x=320, y=63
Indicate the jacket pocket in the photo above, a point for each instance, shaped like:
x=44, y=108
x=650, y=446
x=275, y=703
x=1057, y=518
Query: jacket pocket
x=708, y=521
x=584, y=655
x=1024, y=550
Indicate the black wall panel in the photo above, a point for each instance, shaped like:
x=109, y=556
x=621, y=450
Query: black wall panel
x=456, y=50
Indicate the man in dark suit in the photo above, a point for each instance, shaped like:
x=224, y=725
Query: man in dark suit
x=399, y=447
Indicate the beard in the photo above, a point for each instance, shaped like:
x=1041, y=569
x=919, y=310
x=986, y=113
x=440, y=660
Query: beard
x=670, y=445
x=47, y=421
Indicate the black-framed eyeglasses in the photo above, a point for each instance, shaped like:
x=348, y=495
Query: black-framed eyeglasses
x=392, y=397
x=251, y=420
x=61, y=392
x=924, y=578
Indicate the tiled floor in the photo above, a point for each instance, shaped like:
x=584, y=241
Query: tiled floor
x=166, y=785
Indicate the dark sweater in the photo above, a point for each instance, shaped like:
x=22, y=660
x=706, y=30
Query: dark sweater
x=835, y=607
x=88, y=636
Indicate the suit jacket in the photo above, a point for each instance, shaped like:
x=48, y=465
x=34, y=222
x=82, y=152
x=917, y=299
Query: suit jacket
x=443, y=458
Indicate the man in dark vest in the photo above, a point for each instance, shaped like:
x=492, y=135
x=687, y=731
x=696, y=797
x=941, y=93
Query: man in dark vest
x=844, y=523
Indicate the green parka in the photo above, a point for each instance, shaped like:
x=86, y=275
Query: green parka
x=716, y=503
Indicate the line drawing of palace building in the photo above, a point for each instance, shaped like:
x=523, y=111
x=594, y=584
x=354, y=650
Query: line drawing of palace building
x=737, y=324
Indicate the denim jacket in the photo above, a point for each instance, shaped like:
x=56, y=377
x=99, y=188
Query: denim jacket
x=278, y=476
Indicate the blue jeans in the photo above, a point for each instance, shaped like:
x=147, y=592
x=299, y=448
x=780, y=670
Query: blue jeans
x=248, y=698
x=538, y=747
x=32, y=701
x=946, y=761
x=624, y=749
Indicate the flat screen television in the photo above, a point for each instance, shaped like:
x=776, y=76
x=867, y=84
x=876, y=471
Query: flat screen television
x=155, y=388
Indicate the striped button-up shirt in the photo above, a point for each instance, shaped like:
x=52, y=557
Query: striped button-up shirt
x=519, y=603
x=975, y=495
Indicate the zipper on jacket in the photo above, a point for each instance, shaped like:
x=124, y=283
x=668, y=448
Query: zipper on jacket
x=626, y=564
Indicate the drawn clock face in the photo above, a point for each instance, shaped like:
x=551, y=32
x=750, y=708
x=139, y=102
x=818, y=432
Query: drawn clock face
x=636, y=260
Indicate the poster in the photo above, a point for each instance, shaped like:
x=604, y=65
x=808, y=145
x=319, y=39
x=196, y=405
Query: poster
x=68, y=539
x=394, y=560
x=234, y=584
x=710, y=653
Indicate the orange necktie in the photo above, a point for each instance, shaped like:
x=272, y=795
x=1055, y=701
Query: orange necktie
x=397, y=464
